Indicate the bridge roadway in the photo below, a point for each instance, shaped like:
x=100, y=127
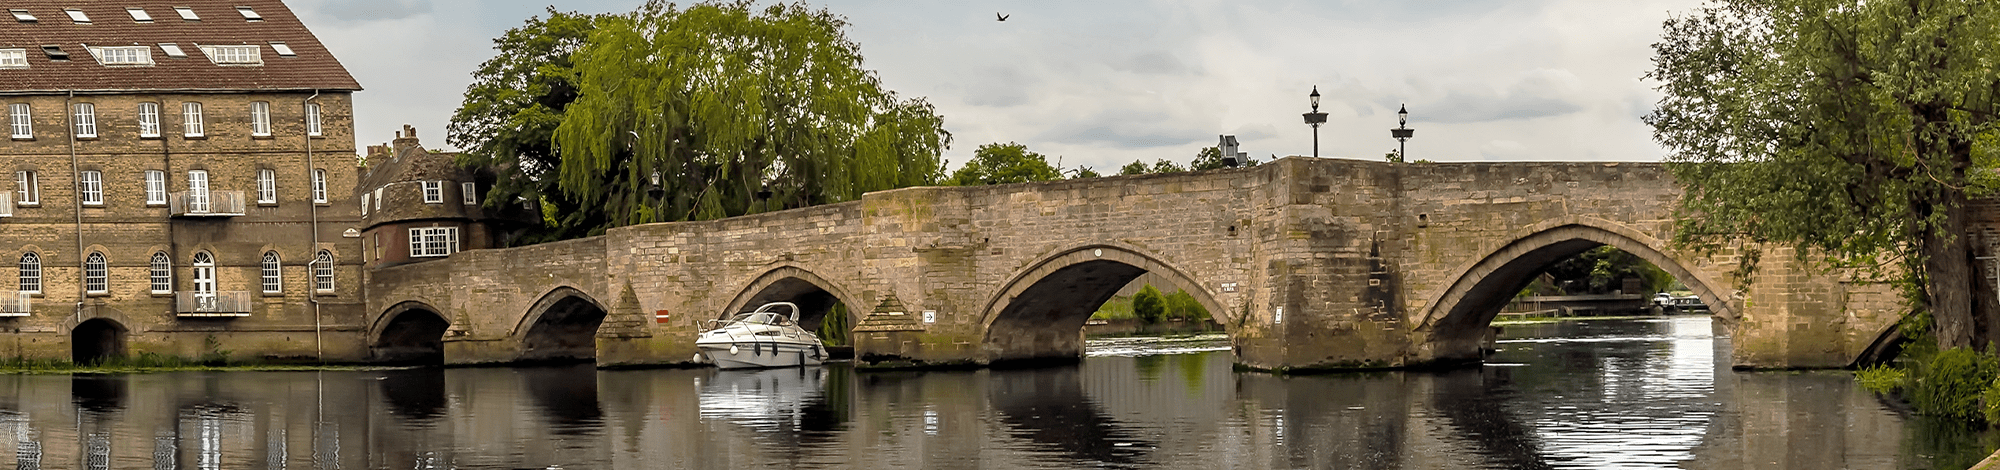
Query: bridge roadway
x=1308, y=264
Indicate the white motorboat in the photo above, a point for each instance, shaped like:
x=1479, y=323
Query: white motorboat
x=760, y=338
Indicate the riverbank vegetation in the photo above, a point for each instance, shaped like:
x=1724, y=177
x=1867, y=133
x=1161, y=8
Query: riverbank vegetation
x=1149, y=305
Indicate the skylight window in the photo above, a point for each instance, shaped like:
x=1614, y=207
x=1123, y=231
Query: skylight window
x=77, y=16
x=173, y=50
x=249, y=14
x=139, y=15
x=23, y=16
x=282, y=49
x=13, y=58
x=55, y=52
x=187, y=13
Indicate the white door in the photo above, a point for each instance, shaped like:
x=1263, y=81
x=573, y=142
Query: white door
x=204, y=282
x=197, y=191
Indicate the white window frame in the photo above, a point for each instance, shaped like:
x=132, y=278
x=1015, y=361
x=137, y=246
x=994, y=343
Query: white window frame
x=15, y=58
x=96, y=275
x=139, y=15
x=173, y=50
x=204, y=279
x=191, y=125
x=323, y=272
x=378, y=199
x=364, y=204
x=312, y=119
x=260, y=119
x=249, y=14
x=86, y=121
x=123, y=55
x=433, y=242
x=433, y=192
x=267, y=186
x=156, y=188
x=469, y=191
x=21, y=117
x=187, y=14
x=31, y=273
x=27, y=188
x=77, y=16
x=273, y=273
x=90, y=187
x=319, y=186
x=149, y=120
x=283, y=50
x=161, y=275
x=250, y=54
x=197, y=201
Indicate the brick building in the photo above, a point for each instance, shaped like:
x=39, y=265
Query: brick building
x=180, y=183
x=419, y=205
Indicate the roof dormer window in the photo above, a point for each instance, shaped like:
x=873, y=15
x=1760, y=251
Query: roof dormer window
x=13, y=58
x=139, y=15
x=187, y=13
x=123, y=55
x=282, y=49
x=77, y=16
x=55, y=52
x=23, y=16
x=173, y=50
x=249, y=14
x=234, y=55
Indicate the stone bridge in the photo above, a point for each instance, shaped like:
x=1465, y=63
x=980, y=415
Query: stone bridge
x=1308, y=264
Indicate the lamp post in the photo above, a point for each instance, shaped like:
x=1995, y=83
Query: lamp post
x=1315, y=118
x=1402, y=132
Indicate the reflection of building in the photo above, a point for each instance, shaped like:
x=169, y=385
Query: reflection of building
x=177, y=170
x=418, y=205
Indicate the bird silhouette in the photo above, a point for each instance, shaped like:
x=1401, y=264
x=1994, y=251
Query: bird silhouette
x=1000, y=16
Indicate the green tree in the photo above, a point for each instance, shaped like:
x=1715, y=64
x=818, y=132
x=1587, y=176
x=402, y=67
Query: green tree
x=1149, y=305
x=1182, y=305
x=1604, y=269
x=1855, y=130
x=723, y=109
x=1134, y=168
x=1166, y=166
x=510, y=113
x=1210, y=158
x=1081, y=172
x=1003, y=164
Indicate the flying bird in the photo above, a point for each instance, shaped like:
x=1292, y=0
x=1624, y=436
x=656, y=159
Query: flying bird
x=1000, y=16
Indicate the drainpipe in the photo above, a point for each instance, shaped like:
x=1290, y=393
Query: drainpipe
x=76, y=198
x=312, y=291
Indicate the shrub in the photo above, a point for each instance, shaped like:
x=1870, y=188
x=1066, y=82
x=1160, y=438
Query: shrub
x=1149, y=305
x=1883, y=379
x=1952, y=383
x=1182, y=305
x=1118, y=308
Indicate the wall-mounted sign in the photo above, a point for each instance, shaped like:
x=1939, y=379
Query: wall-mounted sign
x=930, y=316
x=1228, y=287
x=661, y=316
x=1278, y=317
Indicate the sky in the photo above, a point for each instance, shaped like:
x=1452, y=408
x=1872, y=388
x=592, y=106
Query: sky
x=1107, y=82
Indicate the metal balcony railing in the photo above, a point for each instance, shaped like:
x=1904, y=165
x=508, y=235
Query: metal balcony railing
x=213, y=204
x=20, y=304
x=212, y=304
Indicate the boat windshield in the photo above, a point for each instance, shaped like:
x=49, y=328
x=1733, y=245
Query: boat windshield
x=766, y=318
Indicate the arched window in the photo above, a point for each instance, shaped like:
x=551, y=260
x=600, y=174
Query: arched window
x=31, y=273
x=323, y=272
x=94, y=274
x=204, y=283
x=162, y=273
x=273, y=273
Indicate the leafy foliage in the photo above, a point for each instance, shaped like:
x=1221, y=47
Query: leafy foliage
x=1604, y=269
x=1149, y=305
x=1004, y=164
x=1134, y=168
x=1852, y=129
x=1951, y=383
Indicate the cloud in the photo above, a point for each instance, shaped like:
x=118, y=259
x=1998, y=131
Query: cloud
x=1151, y=63
x=374, y=10
x=1534, y=94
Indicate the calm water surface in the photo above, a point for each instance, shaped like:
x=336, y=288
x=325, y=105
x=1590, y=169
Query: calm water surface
x=1654, y=393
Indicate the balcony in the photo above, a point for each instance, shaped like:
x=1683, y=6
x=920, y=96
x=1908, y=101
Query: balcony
x=20, y=304
x=212, y=304
x=216, y=204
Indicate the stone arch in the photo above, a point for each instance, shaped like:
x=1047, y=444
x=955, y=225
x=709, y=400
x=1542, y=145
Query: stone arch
x=561, y=327
x=97, y=339
x=1456, y=316
x=1039, y=312
x=814, y=295
x=410, y=331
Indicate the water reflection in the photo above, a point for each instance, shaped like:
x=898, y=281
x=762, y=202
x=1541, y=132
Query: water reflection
x=1624, y=394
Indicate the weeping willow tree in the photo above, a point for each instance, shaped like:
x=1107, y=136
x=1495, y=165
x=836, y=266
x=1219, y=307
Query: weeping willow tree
x=1854, y=129
x=722, y=109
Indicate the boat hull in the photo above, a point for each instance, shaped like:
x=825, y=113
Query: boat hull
x=751, y=355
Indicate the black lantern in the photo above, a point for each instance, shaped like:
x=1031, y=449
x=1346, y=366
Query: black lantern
x=1315, y=118
x=1402, y=132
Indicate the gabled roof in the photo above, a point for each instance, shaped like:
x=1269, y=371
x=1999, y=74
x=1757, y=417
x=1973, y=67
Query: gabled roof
x=221, y=24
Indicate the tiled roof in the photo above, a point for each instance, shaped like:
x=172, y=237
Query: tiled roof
x=314, y=67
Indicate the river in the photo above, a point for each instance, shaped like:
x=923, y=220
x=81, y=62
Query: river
x=1648, y=393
